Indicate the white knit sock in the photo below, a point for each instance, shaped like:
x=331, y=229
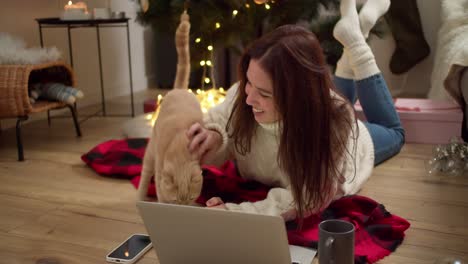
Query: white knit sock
x=343, y=69
x=370, y=13
x=362, y=61
x=348, y=32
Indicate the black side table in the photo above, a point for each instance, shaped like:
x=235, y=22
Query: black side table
x=96, y=23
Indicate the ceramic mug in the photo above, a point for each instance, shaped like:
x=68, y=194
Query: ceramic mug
x=336, y=242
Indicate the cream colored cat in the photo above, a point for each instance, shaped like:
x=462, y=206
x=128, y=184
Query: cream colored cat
x=177, y=173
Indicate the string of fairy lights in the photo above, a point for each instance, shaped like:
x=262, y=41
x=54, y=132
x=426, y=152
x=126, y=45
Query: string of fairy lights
x=214, y=96
x=207, y=98
x=208, y=62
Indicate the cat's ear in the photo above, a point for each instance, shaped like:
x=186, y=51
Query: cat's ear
x=167, y=177
x=197, y=178
x=197, y=175
x=167, y=167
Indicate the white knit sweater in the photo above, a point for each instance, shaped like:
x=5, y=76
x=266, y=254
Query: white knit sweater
x=261, y=165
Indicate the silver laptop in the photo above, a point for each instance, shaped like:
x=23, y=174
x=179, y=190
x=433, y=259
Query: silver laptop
x=185, y=234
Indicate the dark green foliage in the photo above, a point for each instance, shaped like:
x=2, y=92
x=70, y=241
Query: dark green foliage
x=249, y=23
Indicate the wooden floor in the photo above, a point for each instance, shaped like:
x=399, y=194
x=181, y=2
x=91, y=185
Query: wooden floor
x=54, y=209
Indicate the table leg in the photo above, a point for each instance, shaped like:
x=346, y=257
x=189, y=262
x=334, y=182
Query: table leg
x=40, y=36
x=103, y=100
x=70, y=48
x=130, y=70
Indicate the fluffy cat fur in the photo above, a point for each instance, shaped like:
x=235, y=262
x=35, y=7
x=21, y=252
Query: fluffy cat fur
x=177, y=173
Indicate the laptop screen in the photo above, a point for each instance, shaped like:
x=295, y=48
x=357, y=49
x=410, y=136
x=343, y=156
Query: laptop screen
x=202, y=235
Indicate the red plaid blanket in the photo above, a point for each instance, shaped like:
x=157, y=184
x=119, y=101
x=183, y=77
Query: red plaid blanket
x=378, y=232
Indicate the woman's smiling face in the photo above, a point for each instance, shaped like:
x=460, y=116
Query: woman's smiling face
x=259, y=90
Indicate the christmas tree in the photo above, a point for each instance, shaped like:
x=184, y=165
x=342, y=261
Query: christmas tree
x=233, y=24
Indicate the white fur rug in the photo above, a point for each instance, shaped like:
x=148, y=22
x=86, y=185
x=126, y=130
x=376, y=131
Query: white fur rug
x=13, y=50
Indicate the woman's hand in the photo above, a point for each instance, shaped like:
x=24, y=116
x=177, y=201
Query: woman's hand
x=289, y=215
x=203, y=141
x=216, y=202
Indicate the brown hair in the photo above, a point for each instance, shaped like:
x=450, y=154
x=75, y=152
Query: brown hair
x=314, y=124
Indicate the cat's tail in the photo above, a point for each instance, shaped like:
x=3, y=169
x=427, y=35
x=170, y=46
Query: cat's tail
x=183, y=53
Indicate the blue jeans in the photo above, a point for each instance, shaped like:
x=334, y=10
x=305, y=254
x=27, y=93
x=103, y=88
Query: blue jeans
x=383, y=122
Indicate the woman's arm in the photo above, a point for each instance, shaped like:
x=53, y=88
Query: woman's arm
x=278, y=202
x=210, y=141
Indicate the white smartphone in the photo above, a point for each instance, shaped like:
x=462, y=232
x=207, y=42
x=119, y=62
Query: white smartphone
x=130, y=250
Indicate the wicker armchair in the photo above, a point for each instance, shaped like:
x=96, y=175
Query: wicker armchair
x=14, y=95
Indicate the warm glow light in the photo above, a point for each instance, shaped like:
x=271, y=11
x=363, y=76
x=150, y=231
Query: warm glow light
x=247, y=5
x=197, y=40
x=80, y=6
x=207, y=99
x=126, y=254
x=208, y=62
x=218, y=25
x=234, y=13
x=267, y=6
x=210, y=98
x=148, y=116
x=210, y=47
x=207, y=80
x=202, y=63
x=156, y=113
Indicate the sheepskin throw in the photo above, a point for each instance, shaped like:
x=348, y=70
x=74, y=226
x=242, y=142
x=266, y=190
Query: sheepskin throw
x=452, y=50
x=13, y=50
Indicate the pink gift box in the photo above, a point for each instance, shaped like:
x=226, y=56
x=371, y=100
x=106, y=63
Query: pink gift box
x=426, y=121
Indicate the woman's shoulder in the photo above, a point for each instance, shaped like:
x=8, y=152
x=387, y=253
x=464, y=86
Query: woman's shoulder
x=232, y=91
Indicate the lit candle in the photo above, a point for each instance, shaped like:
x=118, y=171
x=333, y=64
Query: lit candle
x=79, y=5
x=75, y=11
x=69, y=5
